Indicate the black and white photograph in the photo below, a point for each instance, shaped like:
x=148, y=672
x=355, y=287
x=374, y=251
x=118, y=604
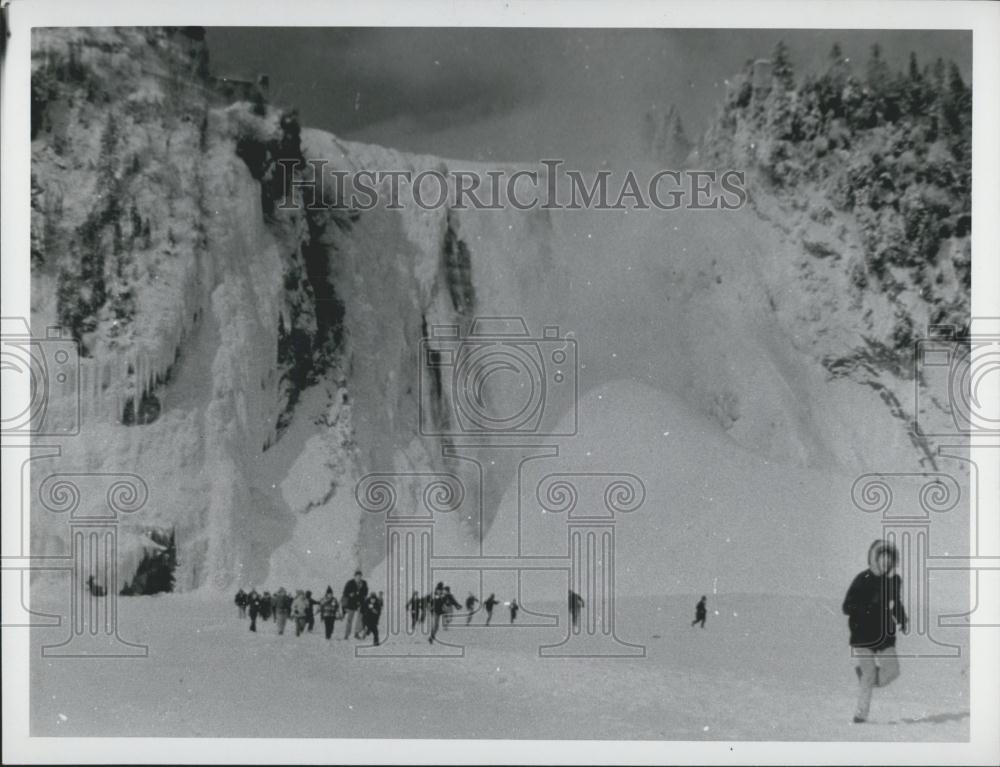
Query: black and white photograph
x=526, y=382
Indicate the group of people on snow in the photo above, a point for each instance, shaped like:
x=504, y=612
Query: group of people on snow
x=362, y=610
x=359, y=609
x=873, y=606
x=440, y=606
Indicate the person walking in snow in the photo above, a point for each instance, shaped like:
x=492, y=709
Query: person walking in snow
x=366, y=607
x=874, y=609
x=282, y=608
x=94, y=587
x=328, y=611
x=700, y=612
x=450, y=605
x=298, y=613
x=437, y=610
x=266, y=605
x=310, y=615
x=253, y=603
x=513, y=610
x=354, y=594
x=370, y=614
x=415, y=606
x=489, y=604
x=241, y=603
x=427, y=608
x=576, y=604
x=470, y=605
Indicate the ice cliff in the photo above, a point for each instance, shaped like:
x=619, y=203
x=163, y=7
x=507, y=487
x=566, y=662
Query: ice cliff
x=251, y=362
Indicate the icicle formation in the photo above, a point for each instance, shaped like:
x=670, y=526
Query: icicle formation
x=108, y=383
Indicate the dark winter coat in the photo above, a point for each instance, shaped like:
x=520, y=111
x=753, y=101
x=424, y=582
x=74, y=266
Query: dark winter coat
x=354, y=594
x=328, y=607
x=372, y=611
x=873, y=606
x=443, y=600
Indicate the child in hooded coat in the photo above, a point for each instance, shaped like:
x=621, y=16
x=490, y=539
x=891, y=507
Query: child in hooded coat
x=370, y=614
x=874, y=609
x=328, y=611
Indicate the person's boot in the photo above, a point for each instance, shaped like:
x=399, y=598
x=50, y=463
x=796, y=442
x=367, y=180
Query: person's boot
x=859, y=719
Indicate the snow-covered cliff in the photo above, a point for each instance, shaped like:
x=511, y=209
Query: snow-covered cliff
x=252, y=362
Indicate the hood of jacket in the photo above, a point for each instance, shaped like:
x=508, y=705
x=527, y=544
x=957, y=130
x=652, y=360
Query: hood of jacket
x=878, y=547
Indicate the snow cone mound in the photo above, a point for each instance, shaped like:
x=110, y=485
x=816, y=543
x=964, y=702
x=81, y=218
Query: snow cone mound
x=715, y=515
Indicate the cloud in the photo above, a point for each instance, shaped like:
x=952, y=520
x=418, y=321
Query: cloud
x=526, y=93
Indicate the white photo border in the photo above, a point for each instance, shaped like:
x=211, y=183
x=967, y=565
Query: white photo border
x=982, y=18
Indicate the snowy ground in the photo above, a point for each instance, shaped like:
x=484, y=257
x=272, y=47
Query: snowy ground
x=764, y=668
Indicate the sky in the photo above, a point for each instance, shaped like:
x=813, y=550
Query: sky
x=526, y=94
